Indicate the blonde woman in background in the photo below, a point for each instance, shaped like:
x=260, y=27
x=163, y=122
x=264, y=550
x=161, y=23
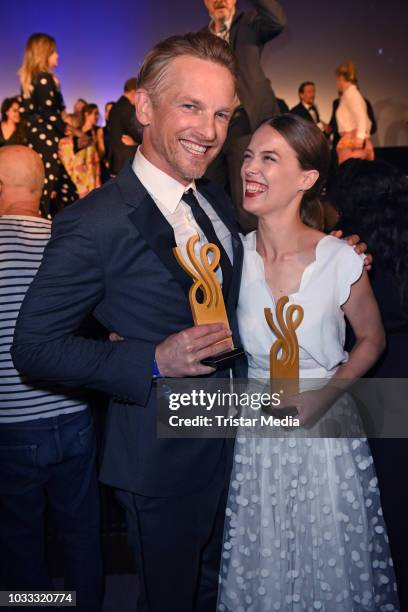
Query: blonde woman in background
x=43, y=108
x=352, y=118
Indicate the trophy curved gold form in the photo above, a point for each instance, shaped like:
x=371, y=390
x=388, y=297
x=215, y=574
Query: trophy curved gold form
x=211, y=308
x=284, y=354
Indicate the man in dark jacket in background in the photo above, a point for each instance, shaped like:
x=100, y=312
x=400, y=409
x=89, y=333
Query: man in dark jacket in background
x=247, y=32
x=124, y=133
x=307, y=108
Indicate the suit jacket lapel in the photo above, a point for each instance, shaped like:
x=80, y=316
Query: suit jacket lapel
x=159, y=235
x=151, y=224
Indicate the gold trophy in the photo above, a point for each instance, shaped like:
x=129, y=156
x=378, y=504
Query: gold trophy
x=284, y=354
x=211, y=308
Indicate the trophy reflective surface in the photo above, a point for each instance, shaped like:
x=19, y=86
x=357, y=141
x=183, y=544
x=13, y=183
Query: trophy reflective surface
x=284, y=354
x=205, y=294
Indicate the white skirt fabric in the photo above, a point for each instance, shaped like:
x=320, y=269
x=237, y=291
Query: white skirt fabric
x=304, y=529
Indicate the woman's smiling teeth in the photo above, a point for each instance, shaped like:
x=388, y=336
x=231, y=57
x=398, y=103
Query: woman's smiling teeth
x=193, y=147
x=252, y=187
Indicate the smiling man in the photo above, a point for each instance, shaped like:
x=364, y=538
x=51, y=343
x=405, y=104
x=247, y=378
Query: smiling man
x=184, y=125
x=112, y=254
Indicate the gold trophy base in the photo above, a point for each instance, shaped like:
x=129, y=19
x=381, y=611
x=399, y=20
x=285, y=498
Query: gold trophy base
x=223, y=360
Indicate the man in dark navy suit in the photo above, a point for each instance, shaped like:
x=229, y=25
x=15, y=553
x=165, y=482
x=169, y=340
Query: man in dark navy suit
x=111, y=255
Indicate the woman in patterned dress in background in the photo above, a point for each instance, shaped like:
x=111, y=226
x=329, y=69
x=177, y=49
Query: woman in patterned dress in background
x=82, y=149
x=43, y=108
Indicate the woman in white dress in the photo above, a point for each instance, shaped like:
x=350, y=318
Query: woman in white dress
x=304, y=528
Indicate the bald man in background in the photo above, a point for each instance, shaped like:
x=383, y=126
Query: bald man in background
x=247, y=32
x=21, y=179
x=47, y=446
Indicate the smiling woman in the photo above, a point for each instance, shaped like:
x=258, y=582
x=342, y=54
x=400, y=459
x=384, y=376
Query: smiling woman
x=304, y=526
x=277, y=150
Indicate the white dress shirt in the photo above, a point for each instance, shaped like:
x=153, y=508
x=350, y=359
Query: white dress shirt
x=167, y=194
x=352, y=113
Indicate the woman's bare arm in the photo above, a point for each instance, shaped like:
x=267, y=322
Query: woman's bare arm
x=361, y=309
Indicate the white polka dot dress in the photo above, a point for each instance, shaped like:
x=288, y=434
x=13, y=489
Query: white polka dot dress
x=43, y=114
x=304, y=528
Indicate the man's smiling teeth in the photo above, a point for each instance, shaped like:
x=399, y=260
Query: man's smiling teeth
x=192, y=146
x=254, y=188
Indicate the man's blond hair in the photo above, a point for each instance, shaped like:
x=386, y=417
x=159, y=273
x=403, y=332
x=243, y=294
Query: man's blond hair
x=202, y=45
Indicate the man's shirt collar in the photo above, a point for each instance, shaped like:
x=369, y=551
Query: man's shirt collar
x=160, y=185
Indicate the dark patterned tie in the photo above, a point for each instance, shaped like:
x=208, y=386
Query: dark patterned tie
x=205, y=224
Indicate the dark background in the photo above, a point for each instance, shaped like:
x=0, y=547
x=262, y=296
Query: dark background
x=101, y=44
